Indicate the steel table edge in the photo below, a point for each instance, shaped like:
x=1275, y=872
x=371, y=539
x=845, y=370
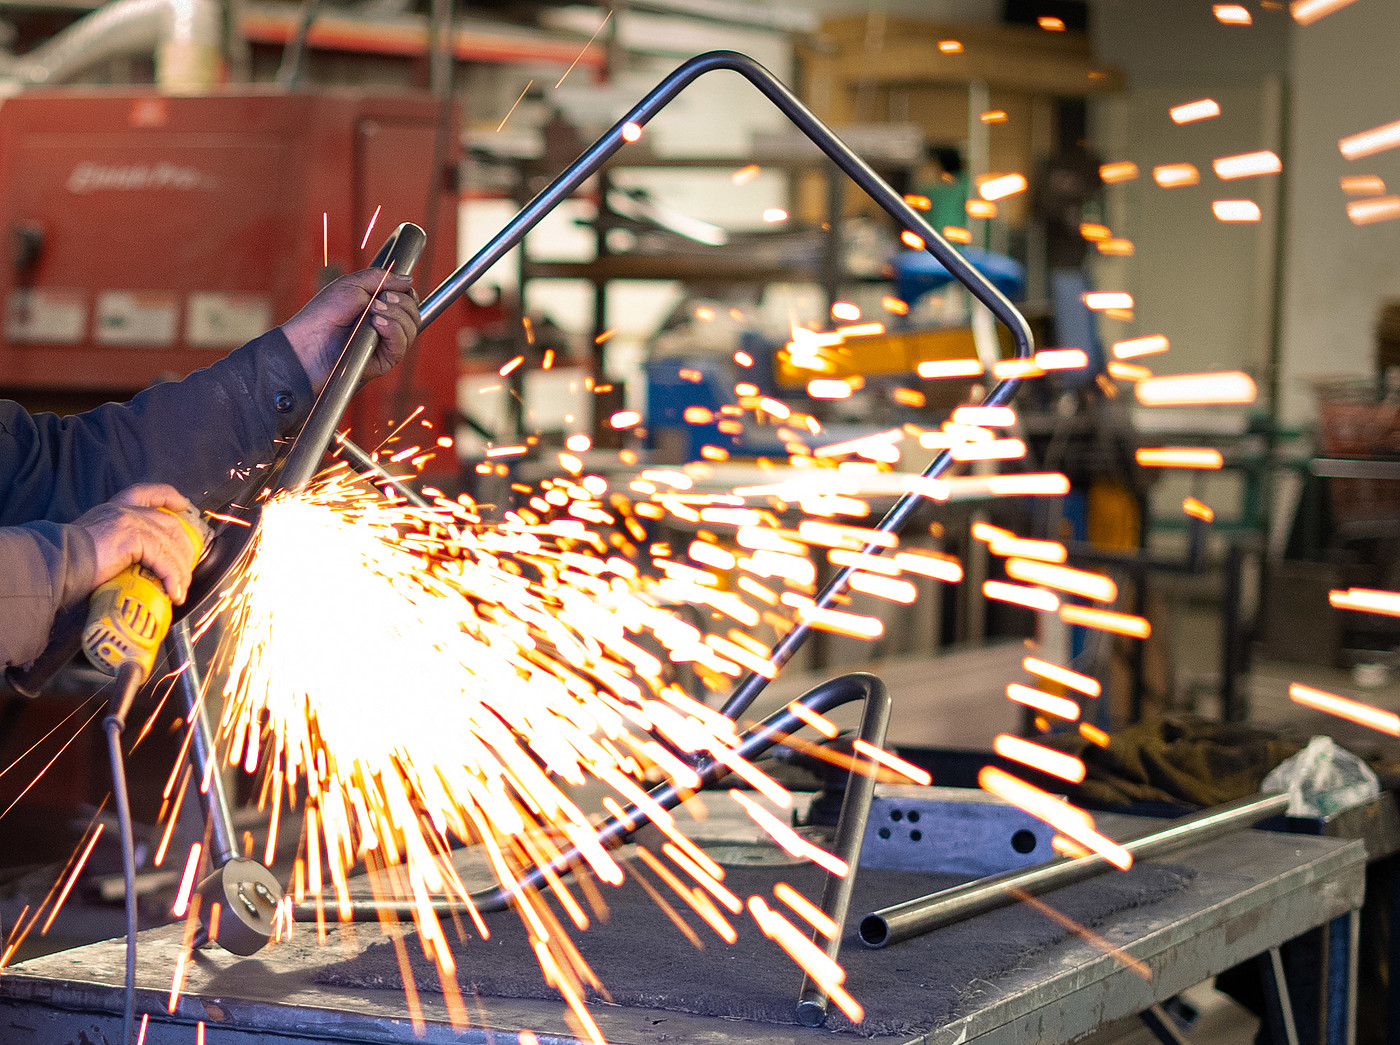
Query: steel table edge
x=1345, y=865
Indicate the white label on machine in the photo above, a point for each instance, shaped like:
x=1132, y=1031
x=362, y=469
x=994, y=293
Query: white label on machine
x=214, y=320
x=56, y=317
x=135, y=317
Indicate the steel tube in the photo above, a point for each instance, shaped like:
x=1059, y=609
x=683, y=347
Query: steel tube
x=216, y=810
x=399, y=254
x=850, y=833
x=926, y=913
x=366, y=463
x=597, y=155
x=764, y=735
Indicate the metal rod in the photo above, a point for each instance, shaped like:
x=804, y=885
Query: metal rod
x=399, y=254
x=214, y=799
x=597, y=154
x=916, y=917
x=366, y=463
x=758, y=739
x=850, y=833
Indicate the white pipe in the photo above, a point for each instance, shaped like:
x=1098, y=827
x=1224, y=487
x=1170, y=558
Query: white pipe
x=183, y=34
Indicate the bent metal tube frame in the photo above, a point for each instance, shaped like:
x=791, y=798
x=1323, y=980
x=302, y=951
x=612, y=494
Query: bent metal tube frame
x=318, y=432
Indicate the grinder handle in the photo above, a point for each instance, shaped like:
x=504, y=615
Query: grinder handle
x=399, y=254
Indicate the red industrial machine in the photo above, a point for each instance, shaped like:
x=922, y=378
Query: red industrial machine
x=149, y=235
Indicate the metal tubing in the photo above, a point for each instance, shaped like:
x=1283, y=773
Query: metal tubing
x=926, y=913
x=597, y=155
x=766, y=734
x=215, y=801
x=850, y=833
x=366, y=463
x=399, y=254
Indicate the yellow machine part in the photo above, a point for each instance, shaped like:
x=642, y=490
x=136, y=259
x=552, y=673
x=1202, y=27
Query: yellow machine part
x=898, y=353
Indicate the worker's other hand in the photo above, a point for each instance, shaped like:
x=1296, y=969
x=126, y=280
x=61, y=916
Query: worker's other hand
x=131, y=528
x=319, y=331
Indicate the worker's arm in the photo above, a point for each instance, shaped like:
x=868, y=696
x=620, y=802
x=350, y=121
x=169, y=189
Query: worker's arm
x=50, y=567
x=197, y=434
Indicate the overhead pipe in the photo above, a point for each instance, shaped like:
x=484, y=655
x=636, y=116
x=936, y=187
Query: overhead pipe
x=182, y=34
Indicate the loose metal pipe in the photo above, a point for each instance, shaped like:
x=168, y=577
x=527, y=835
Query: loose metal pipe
x=916, y=917
x=216, y=808
x=629, y=128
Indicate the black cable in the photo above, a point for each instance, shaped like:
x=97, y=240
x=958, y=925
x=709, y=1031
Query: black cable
x=129, y=679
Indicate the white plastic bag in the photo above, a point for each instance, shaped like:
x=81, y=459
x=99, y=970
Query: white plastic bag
x=1323, y=779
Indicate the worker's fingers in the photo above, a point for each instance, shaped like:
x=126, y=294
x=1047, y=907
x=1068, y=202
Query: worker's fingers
x=153, y=495
x=372, y=281
x=395, y=318
x=124, y=534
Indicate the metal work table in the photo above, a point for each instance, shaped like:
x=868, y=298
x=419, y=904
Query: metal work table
x=1252, y=892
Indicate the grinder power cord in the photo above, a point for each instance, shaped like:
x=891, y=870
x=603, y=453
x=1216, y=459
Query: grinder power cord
x=128, y=618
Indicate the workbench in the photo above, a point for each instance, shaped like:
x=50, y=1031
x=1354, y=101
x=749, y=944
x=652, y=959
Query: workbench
x=1252, y=892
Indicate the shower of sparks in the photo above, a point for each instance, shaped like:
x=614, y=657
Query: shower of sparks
x=541, y=658
x=502, y=125
x=585, y=50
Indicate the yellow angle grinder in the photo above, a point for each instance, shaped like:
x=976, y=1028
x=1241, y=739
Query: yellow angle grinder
x=130, y=614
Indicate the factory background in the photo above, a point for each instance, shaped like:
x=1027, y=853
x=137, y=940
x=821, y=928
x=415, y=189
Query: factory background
x=178, y=176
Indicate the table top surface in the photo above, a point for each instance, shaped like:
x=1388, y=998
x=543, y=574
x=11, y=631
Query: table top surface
x=1252, y=890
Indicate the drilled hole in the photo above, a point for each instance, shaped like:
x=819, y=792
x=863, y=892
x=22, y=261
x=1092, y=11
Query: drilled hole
x=884, y=832
x=1023, y=841
x=913, y=816
x=915, y=836
x=896, y=814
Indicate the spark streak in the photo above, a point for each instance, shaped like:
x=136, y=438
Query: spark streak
x=1351, y=710
x=584, y=51
x=1369, y=600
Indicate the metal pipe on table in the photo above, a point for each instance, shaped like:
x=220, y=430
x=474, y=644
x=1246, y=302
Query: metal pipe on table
x=926, y=913
x=850, y=833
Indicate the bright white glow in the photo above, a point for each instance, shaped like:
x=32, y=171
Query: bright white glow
x=1236, y=210
x=1190, y=112
x=1248, y=165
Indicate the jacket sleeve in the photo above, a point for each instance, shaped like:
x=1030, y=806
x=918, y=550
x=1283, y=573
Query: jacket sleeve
x=48, y=568
x=194, y=434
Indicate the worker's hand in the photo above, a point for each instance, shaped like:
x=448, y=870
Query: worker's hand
x=131, y=528
x=319, y=331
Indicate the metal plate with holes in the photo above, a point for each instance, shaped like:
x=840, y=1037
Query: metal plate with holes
x=950, y=830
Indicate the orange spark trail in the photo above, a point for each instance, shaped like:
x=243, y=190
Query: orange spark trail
x=512, y=109
x=373, y=218
x=1063, y=817
x=1367, y=600
x=73, y=877
x=1351, y=710
x=1138, y=967
x=584, y=51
